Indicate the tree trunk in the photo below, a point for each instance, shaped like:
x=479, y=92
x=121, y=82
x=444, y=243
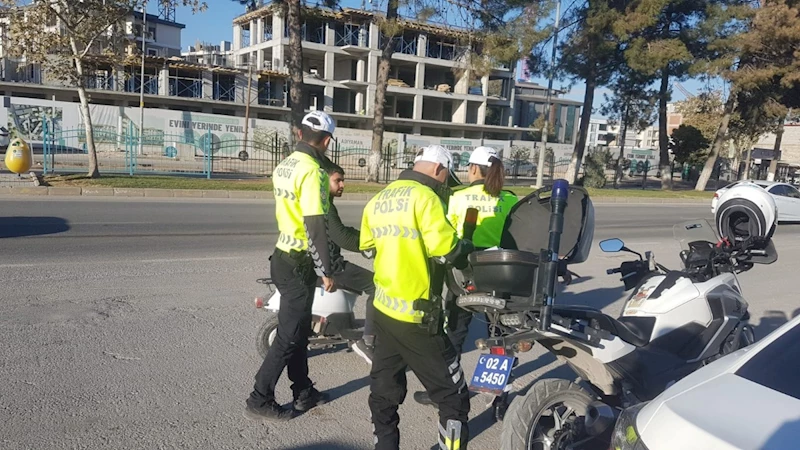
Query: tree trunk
x=773, y=165
x=716, y=147
x=586, y=115
x=663, y=138
x=294, y=62
x=618, y=167
x=378, y=124
x=94, y=170
x=737, y=160
x=747, y=163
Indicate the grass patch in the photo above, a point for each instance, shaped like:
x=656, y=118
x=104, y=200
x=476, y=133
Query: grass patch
x=351, y=187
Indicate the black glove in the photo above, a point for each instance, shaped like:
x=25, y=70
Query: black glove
x=463, y=249
x=369, y=253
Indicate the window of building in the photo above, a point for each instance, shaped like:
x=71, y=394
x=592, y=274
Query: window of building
x=569, y=129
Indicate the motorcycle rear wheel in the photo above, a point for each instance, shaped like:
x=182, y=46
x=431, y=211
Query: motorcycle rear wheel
x=549, y=417
x=266, y=335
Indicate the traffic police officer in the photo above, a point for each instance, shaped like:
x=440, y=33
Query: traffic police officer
x=406, y=225
x=485, y=193
x=302, y=254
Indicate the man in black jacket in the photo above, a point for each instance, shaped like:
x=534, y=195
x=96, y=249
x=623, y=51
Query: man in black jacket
x=347, y=275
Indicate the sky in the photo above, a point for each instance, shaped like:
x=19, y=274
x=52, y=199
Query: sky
x=216, y=25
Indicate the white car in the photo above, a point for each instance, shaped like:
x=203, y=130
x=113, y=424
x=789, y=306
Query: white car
x=747, y=400
x=786, y=196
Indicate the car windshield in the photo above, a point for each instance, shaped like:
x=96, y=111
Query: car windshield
x=694, y=230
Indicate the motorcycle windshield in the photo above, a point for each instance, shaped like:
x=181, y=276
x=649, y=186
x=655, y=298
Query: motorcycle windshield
x=694, y=230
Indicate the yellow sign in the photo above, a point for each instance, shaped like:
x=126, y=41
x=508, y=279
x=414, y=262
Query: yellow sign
x=19, y=156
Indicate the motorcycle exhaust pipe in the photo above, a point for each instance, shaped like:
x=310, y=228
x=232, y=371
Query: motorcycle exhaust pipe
x=599, y=418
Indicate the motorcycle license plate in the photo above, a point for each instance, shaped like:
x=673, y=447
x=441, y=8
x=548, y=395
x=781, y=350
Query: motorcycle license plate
x=492, y=374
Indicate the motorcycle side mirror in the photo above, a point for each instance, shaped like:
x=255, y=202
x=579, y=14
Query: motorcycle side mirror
x=612, y=245
x=616, y=245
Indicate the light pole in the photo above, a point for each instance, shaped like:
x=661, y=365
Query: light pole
x=543, y=150
x=141, y=80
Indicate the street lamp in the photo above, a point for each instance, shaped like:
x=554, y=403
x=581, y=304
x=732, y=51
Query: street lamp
x=540, y=165
x=141, y=80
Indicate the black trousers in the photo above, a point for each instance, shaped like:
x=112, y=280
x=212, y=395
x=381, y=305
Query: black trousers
x=290, y=348
x=401, y=345
x=358, y=279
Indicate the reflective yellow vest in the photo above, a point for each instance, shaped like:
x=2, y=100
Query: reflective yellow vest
x=406, y=225
x=301, y=189
x=492, y=213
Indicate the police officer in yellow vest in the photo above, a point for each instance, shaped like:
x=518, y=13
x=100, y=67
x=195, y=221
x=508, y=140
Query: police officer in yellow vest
x=406, y=225
x=485, y=193
x=301, y=255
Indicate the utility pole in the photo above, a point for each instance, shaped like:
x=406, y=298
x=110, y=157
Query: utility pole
x=247, y=105
x=141, y=80
x=543, y=150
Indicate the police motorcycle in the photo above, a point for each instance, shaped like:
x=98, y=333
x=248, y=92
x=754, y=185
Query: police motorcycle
x=674, y=321
x=333, y=322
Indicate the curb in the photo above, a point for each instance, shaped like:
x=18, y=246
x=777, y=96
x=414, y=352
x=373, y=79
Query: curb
x=75, y=191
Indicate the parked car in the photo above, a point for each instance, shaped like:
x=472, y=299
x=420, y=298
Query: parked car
x=786, y=196
x=749, y=399
x=520, y=168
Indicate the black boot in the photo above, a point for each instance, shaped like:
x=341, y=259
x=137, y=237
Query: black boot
x=309, y=398
x=269, y=411
x=422, y=398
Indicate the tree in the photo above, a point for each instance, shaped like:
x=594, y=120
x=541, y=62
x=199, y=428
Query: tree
x=688, y=145
x=595, y=173
x=632, y=106
x=589, y=55
x=66, y=37
x=764, y=59
x=537, y=126
x=389, y=28
x=757, y=113
x=703, y=112
x=661, y=38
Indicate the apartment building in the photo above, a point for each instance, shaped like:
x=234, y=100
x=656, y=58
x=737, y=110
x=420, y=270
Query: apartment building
x=530, y=101
x=195, y=84
x=210, y=54
x=431, y=91
x=162, y=37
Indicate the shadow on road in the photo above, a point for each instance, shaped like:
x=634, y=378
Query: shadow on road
x=11, y=227
x=350, y=387
x=322, y=446
x=771, y=321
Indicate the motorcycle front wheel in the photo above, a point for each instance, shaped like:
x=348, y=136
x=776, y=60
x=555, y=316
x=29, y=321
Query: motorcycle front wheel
x=549, y=417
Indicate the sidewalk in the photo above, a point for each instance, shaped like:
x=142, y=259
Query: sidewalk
x=30, y=190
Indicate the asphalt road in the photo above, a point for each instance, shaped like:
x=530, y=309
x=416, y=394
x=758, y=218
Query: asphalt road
x=129, y=323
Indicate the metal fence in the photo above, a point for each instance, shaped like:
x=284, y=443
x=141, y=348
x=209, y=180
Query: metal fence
x=159, y=153
x=205, y=154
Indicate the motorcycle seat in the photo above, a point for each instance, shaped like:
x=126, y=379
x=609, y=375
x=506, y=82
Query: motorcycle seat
x=633, y=330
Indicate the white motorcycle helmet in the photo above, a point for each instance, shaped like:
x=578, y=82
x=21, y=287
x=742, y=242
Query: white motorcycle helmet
x=746, y=210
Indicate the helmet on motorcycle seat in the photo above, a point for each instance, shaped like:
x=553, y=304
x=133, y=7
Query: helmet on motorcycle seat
x=745, y=211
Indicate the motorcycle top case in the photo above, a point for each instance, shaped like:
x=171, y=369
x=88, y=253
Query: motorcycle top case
x=528, y=224
x=512, y=271
x=504, y=272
